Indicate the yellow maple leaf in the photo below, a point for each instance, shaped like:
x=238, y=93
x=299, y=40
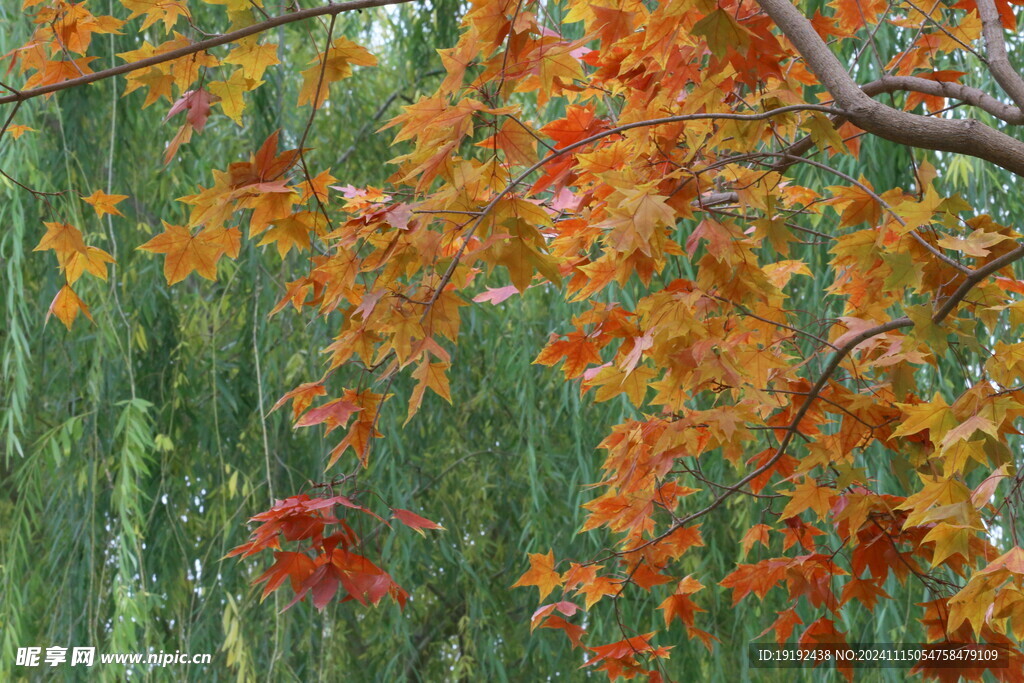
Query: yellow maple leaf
x=103, y=203
x=17, y=130
x=949, y=539
x=64, y=239
x=231, y=93
x=253, y=57
x=186, y=252
x=291, y=231
x=66, y=306
x=809, y=495
x=935, y=416
x=167, y=11
x=334, y=65
x=431, y=376
x=93, y=261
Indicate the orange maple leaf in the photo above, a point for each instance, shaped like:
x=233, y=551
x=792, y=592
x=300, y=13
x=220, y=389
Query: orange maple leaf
x=187, y=252
x=66, y=306
x=541, y=574
x=104, y=203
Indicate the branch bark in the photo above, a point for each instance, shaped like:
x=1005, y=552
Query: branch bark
x=962, y=136
x=332, y=10
x=998, y=60
x=954, y=91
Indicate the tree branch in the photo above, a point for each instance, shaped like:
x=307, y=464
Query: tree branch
x=973, y=279
x=941, y=313
x=998, y=61
x=963, y=136
x=954, y=91
x=329, y=10
x=885, y=205
x=446, y=278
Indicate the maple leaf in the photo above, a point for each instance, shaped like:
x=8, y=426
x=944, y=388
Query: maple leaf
x=572, y=631
x=57, y=71
x=16, y=130
x=196, y=104
x=93, y=261
x=301, y=397
x=155, y=79
x=187, y=252
x=756, y=534
x=414, y=521
x=934, y=416
x=231, y=93
x=626, y=648
x=967, y=428
x=429, y=375
x=516, y=140
x=611, y=382
x=1010, y=562
x=856, y=204
x=330, y=67
x=292, y=231
x=949, y=539
x=64, y=239
x=679, y=605
x=985, y=490
x=541, y=613
x=333, y=413
x=597, y=587
x=167, y=11
x=104, y=203
x=578, y=351
x=295, y=567
x=865, y=591
x=495, y=295
x=183, y=135
x=722, y=32
x=783, y=625
x=809, y=495
x=647, y=578
x=253, y=57
x=541, y=574
x=66, y=306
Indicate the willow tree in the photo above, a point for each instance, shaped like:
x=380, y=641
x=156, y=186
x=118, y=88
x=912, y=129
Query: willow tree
x=673, y=171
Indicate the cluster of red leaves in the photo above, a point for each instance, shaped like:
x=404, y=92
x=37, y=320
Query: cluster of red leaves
x=326, y=560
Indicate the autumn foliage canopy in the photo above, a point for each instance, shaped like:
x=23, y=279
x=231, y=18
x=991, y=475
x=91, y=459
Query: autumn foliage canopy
x=670, y=168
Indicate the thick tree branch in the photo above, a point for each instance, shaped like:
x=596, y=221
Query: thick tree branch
x=998, y=61
x=333, y=9
x=963, y=136
x=954, y=91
